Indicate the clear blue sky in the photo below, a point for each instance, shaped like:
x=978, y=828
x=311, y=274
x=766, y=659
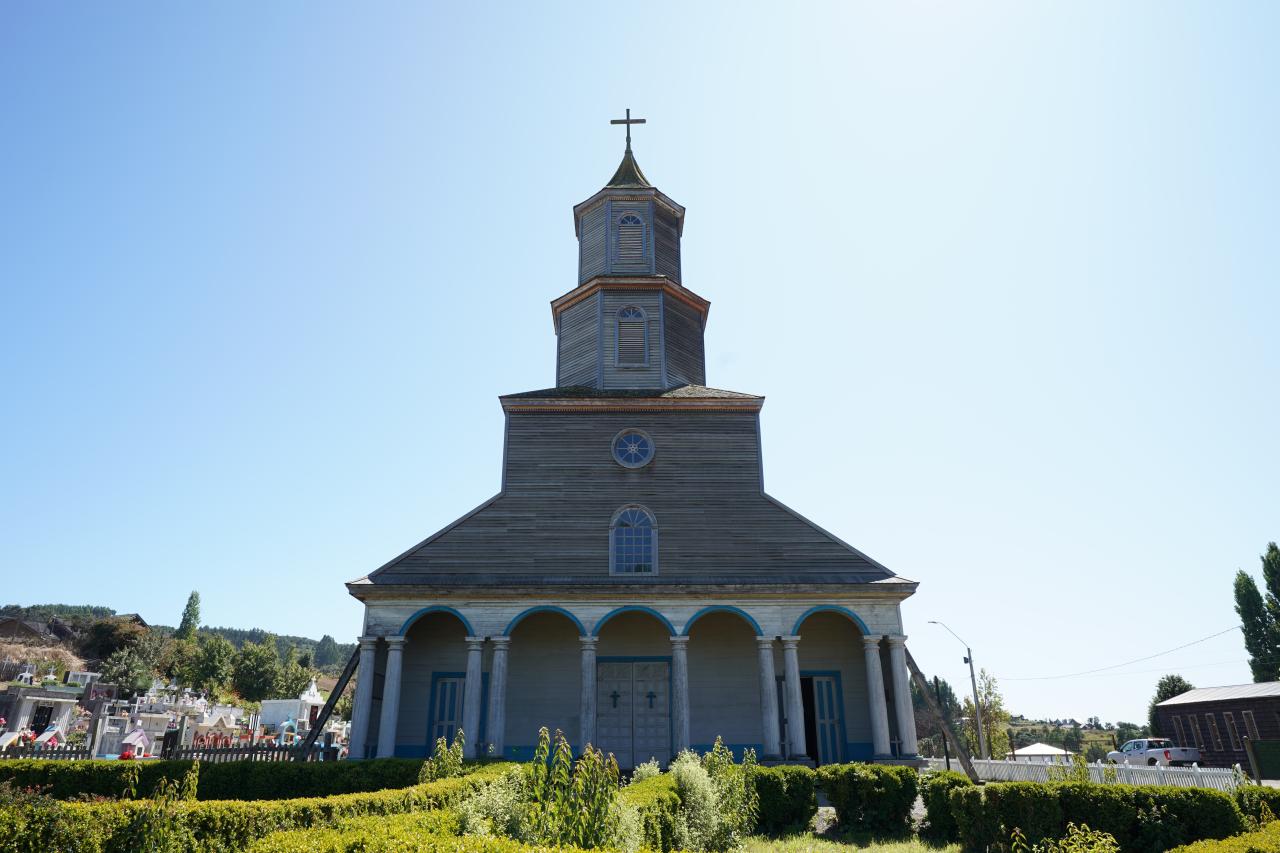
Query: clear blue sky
x=1006, y=273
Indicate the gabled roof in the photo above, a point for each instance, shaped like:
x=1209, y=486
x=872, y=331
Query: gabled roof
x=628, y=174
x=1214, y=694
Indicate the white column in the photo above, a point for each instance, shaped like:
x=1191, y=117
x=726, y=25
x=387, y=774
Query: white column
x=796, y=747
x=362, y=707
x=902, y=694
x=680, y=685
x=768, y=699
x=471, y=698
x=587, y=704
x=498, y=696
x=391, y=698
x=875, y=696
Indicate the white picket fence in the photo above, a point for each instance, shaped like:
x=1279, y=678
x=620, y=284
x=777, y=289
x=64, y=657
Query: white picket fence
x=1125, y=774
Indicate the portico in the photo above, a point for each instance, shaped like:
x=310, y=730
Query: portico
x=644, y=680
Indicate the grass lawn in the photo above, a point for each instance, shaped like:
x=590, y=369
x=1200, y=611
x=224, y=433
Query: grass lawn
x=809, y=843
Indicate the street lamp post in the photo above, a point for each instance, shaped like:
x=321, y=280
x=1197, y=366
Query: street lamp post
x=973, y=680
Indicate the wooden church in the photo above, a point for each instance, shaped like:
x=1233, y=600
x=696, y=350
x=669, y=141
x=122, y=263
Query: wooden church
x=632, y=583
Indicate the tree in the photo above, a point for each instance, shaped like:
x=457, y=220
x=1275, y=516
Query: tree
x=108, y=636
x=127, y=669
x=1166, y=688
x=928, y=727
x=214, y=664
x=995, y=718
x=256, y=670
x=293, y=676
x=326, y=652
x=1260, y=618
x=190, y=618
x=1129, y=731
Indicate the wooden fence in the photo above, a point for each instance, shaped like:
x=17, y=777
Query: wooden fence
x=220, y=755
x=1194, y=776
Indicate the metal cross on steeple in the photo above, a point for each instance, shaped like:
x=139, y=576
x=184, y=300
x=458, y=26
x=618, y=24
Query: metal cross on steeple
x=628, y=121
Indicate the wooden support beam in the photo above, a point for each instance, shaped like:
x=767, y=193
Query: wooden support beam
x=927, y=691
x=304, y=753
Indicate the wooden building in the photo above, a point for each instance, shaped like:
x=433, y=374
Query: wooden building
x=632, y=583
x=1218, y=719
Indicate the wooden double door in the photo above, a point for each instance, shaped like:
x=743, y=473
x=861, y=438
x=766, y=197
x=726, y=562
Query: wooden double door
x=823, y=717
x=633, y=710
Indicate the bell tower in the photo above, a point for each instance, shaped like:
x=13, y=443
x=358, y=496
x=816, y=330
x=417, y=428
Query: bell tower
x=629, y=324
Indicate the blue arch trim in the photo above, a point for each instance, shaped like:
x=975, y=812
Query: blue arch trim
x=633, y=608
x=724, y=608
x=547, y=608
x=831, y=608
x=437, y=608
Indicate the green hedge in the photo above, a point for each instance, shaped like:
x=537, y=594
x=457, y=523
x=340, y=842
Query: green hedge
x=1252, y=798
x=424, y=832
x=786, y=797
x=126, y=780
x=223, y=825
x=1141, y=817
x=659, y=806
x=1265, y=840
x=935, y=790
x=871, y=798
x=276, y=780
x=233, y=780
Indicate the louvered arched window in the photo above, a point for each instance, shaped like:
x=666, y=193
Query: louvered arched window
x=633, y=337
x=633, y=542
x=630, y=240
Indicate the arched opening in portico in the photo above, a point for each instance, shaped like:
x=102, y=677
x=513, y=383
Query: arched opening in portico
x=833, y=687
x=544, y=681
x=724, y=682
x=432, y=684
x=634, y=686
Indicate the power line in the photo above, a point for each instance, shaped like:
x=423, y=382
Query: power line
x=1126, y=663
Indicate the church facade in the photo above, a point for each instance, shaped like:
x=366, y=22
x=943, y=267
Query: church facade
x=632, y=584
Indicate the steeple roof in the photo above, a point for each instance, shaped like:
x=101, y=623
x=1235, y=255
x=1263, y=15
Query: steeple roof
x=628, y=174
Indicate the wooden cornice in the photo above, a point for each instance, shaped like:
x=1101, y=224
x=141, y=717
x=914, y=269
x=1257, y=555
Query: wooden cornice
x=575, y=405
x=628, y=282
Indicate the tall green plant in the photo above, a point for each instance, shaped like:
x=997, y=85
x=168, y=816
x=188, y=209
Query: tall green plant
x=571, y=803
x=446, y=761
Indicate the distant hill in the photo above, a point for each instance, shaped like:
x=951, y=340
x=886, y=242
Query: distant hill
x=81, y=615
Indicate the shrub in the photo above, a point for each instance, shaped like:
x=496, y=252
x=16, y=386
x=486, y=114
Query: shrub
x=113, y=827
x=277, y=780
x=871, y=798
x=1078, y=839
x=1259, y=803
x=658, y=804
x=399, y=832
x=646, y=770
x=497, y=808
x=786, y=798
x=1264, y=840
x=446, y=761
x=67, y=780
x=570, y=803
x=1140, y=818
x=935, y=790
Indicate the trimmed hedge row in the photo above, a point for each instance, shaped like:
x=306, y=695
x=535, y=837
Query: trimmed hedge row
x=659, y=806
x=1141, y=817
x=786, y=798
x=873, y=798
x=935, y=790
x=121, y=826
x=1265, y=840
x=234, y=780
x=125, y=780
x=424, y=832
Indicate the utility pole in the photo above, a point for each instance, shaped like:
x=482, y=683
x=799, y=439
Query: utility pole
x=973, y=680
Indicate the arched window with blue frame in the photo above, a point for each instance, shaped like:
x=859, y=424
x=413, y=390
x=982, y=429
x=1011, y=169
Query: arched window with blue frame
x=633, y=542
x=632, y=337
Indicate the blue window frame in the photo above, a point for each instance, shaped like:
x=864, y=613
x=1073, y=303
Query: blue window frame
x=633, y=542
x=630, y=219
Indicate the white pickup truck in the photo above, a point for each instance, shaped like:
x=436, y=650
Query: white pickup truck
x=1153, y=751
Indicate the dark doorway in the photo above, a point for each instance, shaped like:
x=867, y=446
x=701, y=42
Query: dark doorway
x=810, y=719
x=823, y=717
x=41, y=717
